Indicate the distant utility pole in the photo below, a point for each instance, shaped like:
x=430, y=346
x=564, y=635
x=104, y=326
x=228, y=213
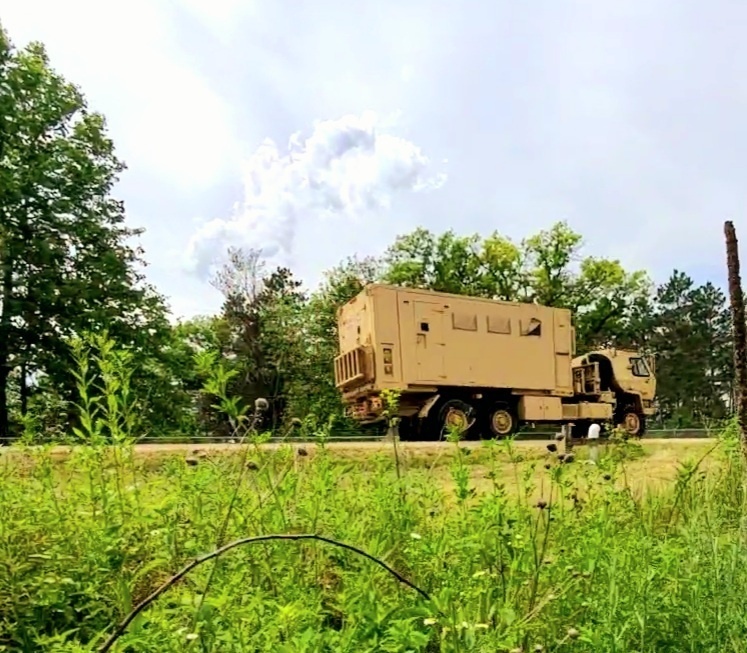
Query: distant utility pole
x=739, y=327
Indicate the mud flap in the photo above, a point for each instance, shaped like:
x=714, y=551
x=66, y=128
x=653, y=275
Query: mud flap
x=423, y=412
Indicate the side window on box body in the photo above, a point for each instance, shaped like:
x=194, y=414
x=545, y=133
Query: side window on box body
x=531, y=327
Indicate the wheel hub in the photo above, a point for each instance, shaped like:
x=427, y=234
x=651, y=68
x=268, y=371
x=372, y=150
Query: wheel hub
x=457, y=419
x=501, y=421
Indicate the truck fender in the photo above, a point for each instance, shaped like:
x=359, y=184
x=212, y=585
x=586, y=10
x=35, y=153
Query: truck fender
x=423, y=412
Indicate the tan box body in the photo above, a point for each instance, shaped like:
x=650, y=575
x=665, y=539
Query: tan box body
x=438, y=339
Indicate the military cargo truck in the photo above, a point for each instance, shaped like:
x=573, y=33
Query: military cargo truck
x=484, y=366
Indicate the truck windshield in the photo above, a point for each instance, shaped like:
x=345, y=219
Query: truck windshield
x=638, y=367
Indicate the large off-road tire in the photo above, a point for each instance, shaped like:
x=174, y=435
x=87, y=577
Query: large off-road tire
x=500, y=420
x=632, y=422
x=457, y=414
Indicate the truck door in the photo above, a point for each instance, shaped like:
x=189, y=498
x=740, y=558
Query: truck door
x=429, y=343
x=563, y=344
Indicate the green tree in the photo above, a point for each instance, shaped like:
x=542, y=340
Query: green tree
x=609, y=303
x=189, y=337
x=313, y=392
x=504, y=269
x=448, y=263
x=549, y=257
x=470, y=265
x=262, y=312
x=712, y=323
x=692, y=343
x=66, y=265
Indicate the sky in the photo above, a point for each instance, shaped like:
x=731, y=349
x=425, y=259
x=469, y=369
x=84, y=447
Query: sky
x=315, y=131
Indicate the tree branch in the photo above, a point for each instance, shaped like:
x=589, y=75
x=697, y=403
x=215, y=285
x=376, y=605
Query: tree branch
x=600, y=323
x=232, y=545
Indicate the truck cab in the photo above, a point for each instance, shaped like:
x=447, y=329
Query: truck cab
x=627, y=377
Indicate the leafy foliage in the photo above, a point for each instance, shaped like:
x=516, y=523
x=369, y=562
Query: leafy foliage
x=263, y=316
x=566, y=558
x=541, y=268
x=692, y=339
x=65, y=262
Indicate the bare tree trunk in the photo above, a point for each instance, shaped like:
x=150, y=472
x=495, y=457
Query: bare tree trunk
x=739, y=327
x=24, y=389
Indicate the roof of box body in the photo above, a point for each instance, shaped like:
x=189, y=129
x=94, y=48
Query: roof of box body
x=438, y=293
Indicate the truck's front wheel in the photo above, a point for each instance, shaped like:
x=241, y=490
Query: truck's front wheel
x=633, y=423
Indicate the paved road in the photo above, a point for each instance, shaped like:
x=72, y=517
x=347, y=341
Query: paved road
x=145, y=449
x=379, y=446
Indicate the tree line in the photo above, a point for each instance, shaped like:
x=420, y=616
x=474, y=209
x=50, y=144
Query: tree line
x=68, y=268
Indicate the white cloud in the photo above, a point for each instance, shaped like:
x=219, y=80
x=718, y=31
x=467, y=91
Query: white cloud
x=162, y=114
x=347, y=167
x=562, y=112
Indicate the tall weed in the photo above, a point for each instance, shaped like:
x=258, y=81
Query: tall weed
x=572, y=560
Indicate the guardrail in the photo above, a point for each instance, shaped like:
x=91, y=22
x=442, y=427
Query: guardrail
x=653, y=434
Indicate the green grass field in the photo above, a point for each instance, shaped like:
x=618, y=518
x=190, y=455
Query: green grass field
x=509, y=548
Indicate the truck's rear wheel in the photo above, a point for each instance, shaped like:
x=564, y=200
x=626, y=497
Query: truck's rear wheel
x=501, y=420
x=455, y=415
